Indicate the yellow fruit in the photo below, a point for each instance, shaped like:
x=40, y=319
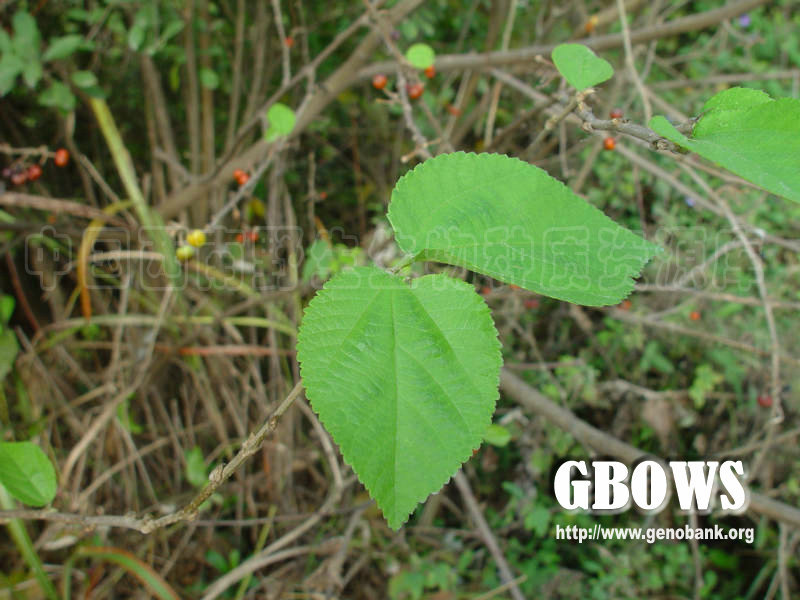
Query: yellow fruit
x=184, y=252
x=196, y=238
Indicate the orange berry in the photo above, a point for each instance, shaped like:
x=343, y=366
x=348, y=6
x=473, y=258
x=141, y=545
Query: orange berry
x=415, y=90
x=764, y=401
x=379, y=81
x=430, y=72
x=694, y=315
x=486, y=290
x=591, y=24
x=454, y=110
x=252, y=236
x=289, y=42
x=62, y=157
x=531, y=303
x=237, y=174
x=239, y=238
x=625, y=304
x=323, y=195
x=616, y=113
x=609, y=143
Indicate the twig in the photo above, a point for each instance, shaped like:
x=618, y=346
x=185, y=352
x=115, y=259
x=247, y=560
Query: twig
x=626, y=42
x=486, y=533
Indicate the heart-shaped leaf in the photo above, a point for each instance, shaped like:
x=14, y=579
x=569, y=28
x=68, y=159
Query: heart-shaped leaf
x=581, y=67
x=404, y=377
x=27, y=473
x=750, y=134
x=512, y=221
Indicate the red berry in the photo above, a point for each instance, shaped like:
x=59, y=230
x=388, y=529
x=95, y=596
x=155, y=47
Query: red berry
x=323, y=195
x=62, y=157
x=609, y=143
x=485, y=290
x=625, y=304
x=430, y=72
x=454, y=110
x=694, y=315
x=289, y=42
x=616, y=113
x=240, y=176
x=19, y=177
x=239, y=238
x=252, y=236
x=531, y=303
x=764, y=401
x=34, y=172
x=415, y=90
x=379, y=81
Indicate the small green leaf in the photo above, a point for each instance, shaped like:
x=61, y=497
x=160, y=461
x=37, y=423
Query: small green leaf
x=196, y=473
x=6, y=308
x=421, y=56
x=580, y=66
x=62, y=47
x=281, y=121
x=32, y=72
x=27, y=473
x=9, y=348
x=510, y=220
x=404, y=377
x=497, y=435
x=26, y=36
x=84, y=79
x=749, y=134
x=317, y=261
x=11, y=66
x=58, y=95
x=209, y=79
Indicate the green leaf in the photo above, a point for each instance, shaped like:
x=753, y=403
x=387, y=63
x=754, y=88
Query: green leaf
x=84, y=79
x=209, y=79
x=580, y=66
x=26, y=36
x=750, y=134
x=421, y=56
x=27, y=473
x=281, y=121
x=62, y=47
x=8, y=352
x=196, y=473
x=512, y=221
x=6, y=308
x=317, y=261
x=11, y=65
x=58, y=95
x=497, y=435
x=403, y=376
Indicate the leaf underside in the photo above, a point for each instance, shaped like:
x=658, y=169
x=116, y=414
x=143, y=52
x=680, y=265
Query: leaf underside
x=750, y=134
x=404, y=377
x=510, y=220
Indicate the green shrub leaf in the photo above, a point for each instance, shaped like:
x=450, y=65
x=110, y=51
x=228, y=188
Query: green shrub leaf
x=403, y=376
x=281, y=121
x=512, y=221
x=27, y=473
x=581, y=67
x=209, y=79
x=62, y=47
x=58, y=95
x=84, y=79
x=750, y=134
x=421, y=56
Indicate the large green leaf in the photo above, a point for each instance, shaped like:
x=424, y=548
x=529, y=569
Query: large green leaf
x=511, y=220
x=27, y=473
x=581, y=67
x=403, y=376
x=750, y=134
